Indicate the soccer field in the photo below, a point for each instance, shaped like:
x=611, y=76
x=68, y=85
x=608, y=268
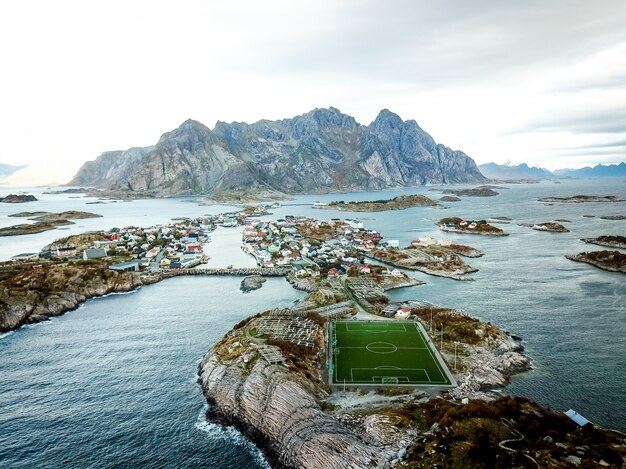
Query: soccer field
x=384, y=353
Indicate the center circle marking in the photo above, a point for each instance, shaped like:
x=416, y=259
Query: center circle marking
x=381, y=347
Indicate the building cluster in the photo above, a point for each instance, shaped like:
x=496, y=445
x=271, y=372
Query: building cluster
x=178, y=244
x=313, y=247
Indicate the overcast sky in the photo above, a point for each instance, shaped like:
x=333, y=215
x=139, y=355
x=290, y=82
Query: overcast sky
x=542, y=82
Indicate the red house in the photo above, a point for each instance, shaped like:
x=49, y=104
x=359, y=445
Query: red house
x=333, y=273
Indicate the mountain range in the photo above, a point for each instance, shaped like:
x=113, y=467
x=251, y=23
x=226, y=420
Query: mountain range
x=523, y=171
x=598, y=171
x=513, y=172
x=321, y=151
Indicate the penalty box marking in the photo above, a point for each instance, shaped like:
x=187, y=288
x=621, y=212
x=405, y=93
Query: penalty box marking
x=376, y=330
x=394, y=368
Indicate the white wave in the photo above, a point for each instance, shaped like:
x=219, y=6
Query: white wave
x=220, y=432
x=6, y=334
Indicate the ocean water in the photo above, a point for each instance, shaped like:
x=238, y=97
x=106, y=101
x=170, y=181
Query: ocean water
x=113, y=383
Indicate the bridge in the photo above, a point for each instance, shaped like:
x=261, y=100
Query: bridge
x=236, y=271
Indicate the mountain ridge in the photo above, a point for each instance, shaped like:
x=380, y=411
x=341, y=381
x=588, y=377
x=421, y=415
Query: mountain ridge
x=514, y=172
x=322, y=150
x=597, y=171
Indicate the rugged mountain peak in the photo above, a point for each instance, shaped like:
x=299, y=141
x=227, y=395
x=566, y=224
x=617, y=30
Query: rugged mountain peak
x=188, y=128
x=323, y=150
x=386, y=120
x=319, y=119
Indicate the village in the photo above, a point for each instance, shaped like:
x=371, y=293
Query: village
x=338, y=255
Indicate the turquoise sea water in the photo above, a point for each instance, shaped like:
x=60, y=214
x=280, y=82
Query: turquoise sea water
x=113, y=383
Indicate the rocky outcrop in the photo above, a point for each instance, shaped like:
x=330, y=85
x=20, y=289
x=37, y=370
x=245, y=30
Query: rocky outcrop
x=281, y=414
x=33, y=293
x=578, y=199
x=489, y=366
x=612, y=261
x=550, y=226
x=608, y=241
x=401, y=202
x=18, y=198
x=251, y=282
x=320, y=151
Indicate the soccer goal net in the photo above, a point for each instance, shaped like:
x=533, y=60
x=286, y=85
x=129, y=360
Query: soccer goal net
x=389, y=380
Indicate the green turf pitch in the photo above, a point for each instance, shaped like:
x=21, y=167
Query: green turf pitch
x=384, y=353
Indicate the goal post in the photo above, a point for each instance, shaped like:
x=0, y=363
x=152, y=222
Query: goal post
x=389, y=380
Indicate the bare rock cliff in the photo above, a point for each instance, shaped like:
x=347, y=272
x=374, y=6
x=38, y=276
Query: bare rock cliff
x=282, y=415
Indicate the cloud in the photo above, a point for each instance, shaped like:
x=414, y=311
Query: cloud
x=427, y=43
x=496, y=79
x=600, y=120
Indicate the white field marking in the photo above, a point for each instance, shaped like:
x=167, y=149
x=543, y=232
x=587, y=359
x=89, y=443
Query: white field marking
x=443, y=375
x=404, y=379
x=399, y=348
x=381, y=347
x=399, y=369
x=358, y=329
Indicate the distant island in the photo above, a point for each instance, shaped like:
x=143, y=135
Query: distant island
x=44, y=221
x=481, y=191
x=18, y=198
x=478, y=227
x=397, y=203
x=608, y=241
x=550, y=226
x=613, y=261
x=576, y=199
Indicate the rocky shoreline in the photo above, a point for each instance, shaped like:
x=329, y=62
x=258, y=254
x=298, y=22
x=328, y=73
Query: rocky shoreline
x=38, y=294
x=284, y=405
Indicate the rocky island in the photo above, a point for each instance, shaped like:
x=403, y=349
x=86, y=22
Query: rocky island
x=18, y=198
x=434, y=260
x=450, y=198
x=252, y=282
x=583, y=198
x=608, y=241
x=44, y=221
x=479, y=227
x=480, y=191
x=550, y=226
x=30, y=228
x=272, y=384
x=397, y=203
x=613, y=261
